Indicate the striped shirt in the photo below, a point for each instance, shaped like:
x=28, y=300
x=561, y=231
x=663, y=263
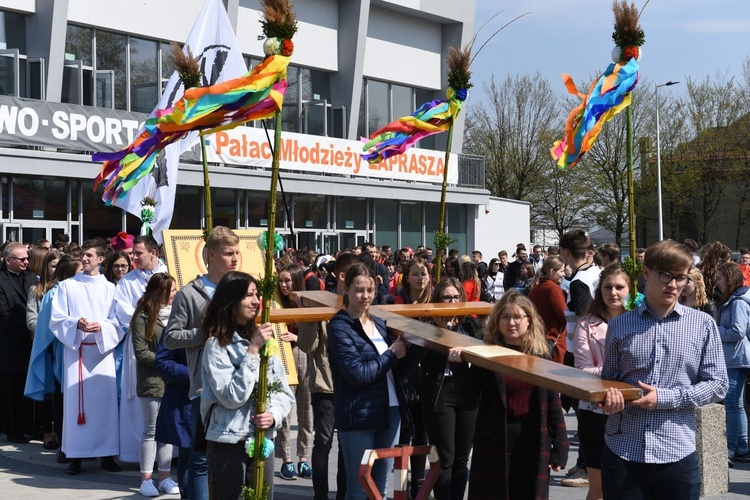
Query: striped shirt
x=681, y=356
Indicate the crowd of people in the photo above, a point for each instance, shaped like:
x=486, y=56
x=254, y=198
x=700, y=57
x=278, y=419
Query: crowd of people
x=98, y=334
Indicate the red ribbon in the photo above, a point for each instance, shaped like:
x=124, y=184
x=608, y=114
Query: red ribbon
x=81, y=410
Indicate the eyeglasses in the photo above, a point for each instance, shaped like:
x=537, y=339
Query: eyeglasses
x=120, y=266
x=19, y=259
x=666, y=278
x=450, y=298
x=505, y=318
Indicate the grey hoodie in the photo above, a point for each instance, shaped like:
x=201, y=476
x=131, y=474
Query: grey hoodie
x=184, y=328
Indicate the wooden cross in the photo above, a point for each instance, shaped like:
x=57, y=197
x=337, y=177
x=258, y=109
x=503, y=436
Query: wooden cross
x=321, y=306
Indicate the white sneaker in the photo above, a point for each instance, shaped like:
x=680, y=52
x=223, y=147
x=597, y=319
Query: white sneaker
x=578, y=480
x=148, y=489
x=169, y=487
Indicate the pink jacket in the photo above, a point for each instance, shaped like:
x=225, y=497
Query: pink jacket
x=590, y=335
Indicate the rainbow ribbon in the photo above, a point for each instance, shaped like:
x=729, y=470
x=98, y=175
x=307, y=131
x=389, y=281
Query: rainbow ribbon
x=609, y=95
x=431, y=118
x=257, y=95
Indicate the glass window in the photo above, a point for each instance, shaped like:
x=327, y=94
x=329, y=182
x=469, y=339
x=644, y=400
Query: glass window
x=7, y=75
x=40, y=199
x=386, y=223
x=144, y=70
x=411, y=224
x=423, y=96
x=377, y=105
x=78, y=44
x=13, y=31
x=189, y=201
x=403, y=103
x=224, y=208
x=316, y=85
x=6, y=213
x=455, y=216
x=309, y=212
x=166, y=62
x=111, y=55
x=290, y=111
x=257, y=210
x=351, y=213
x=99, y=219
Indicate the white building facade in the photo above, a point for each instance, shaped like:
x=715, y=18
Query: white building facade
x=74, y=74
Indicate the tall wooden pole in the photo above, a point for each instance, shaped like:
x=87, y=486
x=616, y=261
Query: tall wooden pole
x=260, y=434
x=631, y=204
x=209, y=220
x=441, y=220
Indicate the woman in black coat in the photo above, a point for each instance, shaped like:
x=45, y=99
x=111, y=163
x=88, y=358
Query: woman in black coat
x=450, y=424
x=520, y=431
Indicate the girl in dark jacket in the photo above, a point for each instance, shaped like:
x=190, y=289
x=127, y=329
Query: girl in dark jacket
x=149, y=319
x=369, y=369
x=520, y=431
x=173, y=423
x=450, y=424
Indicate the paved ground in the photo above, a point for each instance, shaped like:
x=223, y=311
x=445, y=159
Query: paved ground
x=31, y=472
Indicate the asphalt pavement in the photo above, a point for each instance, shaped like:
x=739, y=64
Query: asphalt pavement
x=28, y=471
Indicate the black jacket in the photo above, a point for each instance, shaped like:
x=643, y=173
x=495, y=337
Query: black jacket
x=15, y=338
x=359, y=372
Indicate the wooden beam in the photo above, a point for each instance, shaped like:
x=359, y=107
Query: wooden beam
x=540, y=372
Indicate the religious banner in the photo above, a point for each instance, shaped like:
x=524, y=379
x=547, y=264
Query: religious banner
x=186, y=257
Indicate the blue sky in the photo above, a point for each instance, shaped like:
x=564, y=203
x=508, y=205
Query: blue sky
x=693, y=38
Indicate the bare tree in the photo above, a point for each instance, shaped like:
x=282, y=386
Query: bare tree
x=564, y=201
x=714, y=105
x=511, y=129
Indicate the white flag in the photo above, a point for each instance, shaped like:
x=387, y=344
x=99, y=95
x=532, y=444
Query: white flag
x=212, y=39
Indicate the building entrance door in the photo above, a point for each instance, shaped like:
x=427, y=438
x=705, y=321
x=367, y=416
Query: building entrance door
x=33, y=231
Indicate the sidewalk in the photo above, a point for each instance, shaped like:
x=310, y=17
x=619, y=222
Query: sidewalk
x=30, y=472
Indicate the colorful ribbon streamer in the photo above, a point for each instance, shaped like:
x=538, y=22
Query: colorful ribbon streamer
x=609, y=95
x=254, y=96
x=431, y=118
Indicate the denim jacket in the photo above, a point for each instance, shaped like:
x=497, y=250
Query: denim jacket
x=229, y=375
x=734, y=326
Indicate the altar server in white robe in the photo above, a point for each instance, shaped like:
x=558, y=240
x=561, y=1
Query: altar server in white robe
x=128, y=292
x=80, y=320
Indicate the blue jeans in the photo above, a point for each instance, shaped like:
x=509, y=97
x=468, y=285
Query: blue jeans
x=734, y=403
x=197, y=467
x=635, y=481
x=354, y=443
x=182, y=467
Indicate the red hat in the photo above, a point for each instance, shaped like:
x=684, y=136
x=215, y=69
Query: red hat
x=122, y=241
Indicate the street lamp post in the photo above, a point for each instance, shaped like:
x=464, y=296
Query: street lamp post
x=658, y=159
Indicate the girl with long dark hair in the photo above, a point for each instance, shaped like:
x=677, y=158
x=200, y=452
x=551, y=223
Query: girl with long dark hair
x=149, y=319
x=230, y=370
x=292, y=279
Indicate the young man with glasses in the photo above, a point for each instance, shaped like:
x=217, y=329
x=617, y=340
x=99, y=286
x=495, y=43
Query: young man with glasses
x=674, y=354
x=15, y=342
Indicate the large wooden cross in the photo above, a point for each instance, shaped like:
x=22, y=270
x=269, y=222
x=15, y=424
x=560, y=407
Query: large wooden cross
x=321, y=306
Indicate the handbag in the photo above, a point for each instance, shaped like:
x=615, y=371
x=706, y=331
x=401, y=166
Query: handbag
x=199, y=440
